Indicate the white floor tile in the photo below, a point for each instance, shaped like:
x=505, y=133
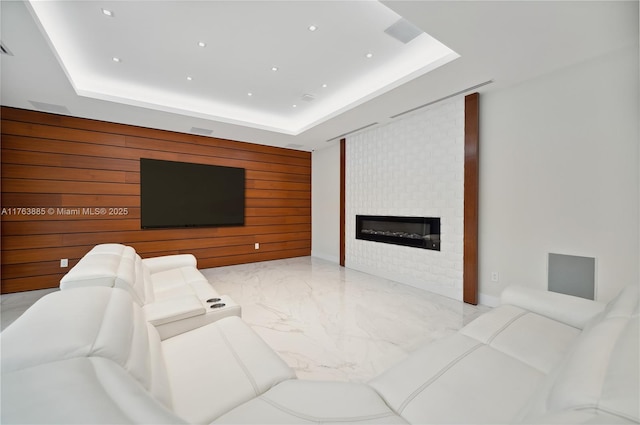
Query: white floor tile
x=332, y=323
x=13, y=305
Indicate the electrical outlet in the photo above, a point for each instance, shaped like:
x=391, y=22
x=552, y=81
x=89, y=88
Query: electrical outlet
x=495, y=276
x=257, y=245
x=64, y=262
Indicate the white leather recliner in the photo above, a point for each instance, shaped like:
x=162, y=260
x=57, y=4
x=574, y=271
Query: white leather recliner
x=175, y=296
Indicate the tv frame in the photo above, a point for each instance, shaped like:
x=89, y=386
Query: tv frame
x=187, y=225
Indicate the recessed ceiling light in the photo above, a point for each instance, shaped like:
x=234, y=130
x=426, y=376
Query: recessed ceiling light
x=107, y=12
x=324, y=86
x=312, y=28
x=189, y=78
x=274, y=68
x=249, y=94
x=202, y=44
x=369, y=55
x=115, y=59
x=294, y=106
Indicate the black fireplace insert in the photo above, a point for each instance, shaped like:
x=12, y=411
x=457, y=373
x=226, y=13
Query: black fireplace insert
x=418, y=232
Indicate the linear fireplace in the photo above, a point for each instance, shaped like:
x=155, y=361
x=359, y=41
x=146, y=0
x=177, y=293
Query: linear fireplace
x=419, y=232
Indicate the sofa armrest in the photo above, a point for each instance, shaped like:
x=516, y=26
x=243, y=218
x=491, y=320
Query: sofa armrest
x=573, y=311
x=173, y=309
x=168, y=262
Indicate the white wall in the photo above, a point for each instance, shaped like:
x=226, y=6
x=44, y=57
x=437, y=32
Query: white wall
x=559, y=173
x=325, y=203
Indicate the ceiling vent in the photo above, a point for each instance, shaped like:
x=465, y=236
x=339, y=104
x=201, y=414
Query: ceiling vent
x=4, y=49
x=403, y=31
x=352, y=131
x=201, y=131
x=468, y=89
x=308, y=97
x=50, y=107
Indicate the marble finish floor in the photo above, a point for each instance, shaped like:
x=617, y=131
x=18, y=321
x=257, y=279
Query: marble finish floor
x=332, y=323
x=13, y=305
x=325, y=321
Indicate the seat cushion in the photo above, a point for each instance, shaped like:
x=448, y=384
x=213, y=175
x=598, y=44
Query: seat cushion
x=601, y=373
x=499, y=359
x=217, y=367
x=294, y=402
x=181, y=281
x=533, y=339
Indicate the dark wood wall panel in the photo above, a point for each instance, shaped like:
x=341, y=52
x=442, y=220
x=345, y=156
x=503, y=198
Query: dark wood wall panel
x=471, y=194
x=66, y=163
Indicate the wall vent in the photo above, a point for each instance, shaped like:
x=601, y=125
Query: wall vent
x=294, y=146
x=201, y=131
x=50, y=107
x=572, y=275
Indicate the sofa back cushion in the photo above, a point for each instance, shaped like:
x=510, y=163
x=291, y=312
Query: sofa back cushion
x=111, y=265
x=88, y=322
x=600, y=376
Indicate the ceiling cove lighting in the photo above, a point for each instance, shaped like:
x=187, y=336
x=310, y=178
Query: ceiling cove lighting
x=107, y=12
x=416, y=58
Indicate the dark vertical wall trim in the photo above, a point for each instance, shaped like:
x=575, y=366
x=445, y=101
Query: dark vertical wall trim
x=471, y=162
x=56, y=170
x=343, y=159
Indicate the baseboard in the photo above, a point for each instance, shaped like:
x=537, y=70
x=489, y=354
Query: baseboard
x=325, y=256
x=488, y=300
x=453, y=293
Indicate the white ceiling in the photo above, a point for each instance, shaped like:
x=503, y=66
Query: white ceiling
x=70, y=69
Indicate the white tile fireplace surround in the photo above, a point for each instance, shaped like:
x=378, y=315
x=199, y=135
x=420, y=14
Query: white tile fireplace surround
x=412, y=167
x=333, y=323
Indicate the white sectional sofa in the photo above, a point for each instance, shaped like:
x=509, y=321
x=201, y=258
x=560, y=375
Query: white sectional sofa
x=88, y=356
x=175, y=296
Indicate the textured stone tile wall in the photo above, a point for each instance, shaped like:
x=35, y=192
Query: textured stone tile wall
x=413, y=166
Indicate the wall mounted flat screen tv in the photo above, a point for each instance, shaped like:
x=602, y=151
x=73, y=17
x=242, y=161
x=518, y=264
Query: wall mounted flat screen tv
x=180, y=194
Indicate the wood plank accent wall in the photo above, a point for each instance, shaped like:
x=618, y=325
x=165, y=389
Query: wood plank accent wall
x=56, y=162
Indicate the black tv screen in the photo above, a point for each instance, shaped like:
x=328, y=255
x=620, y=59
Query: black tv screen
x=180, y=194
